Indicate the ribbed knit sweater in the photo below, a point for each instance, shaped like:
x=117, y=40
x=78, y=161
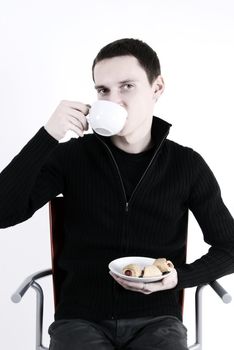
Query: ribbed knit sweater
x=102, y=223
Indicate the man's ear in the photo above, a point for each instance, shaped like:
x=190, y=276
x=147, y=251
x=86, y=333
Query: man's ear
x=158, y=87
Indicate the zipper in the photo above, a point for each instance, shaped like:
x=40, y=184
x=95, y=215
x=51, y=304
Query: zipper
x=139, y=182
x=117, y=167
x=149, y=165
x=126, y=206
x=125, y=198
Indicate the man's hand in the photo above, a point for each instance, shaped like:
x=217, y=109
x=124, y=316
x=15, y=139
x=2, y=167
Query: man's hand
x=167, y=282
x=68, y=115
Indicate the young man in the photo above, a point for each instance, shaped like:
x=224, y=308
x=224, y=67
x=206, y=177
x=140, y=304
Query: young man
x=125, y=195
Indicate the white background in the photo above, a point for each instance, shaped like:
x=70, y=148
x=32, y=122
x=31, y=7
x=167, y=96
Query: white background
x=47, y=48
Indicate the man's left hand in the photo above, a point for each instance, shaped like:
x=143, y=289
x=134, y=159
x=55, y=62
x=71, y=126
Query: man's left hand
x=167, y=282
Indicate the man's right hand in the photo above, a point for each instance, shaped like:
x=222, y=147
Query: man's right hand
x=69, y=115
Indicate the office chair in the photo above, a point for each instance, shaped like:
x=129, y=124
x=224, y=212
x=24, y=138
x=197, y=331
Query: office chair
x=56, y=209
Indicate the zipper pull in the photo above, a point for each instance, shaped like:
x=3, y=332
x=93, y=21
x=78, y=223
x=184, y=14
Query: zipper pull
x=126, y=207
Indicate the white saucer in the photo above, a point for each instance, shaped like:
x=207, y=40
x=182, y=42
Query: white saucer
x=117, y=265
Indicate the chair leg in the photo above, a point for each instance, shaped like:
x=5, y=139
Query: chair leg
x=198, y=319
x=198, y=311
x=39, y=315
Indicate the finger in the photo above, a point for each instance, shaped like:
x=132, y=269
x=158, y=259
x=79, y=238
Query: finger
x=155, y=287
x=146, y=292
x=76, y=130
x=117, y=278
x=158, y=286
x=81, y=118
x=135, y=285
x=129, y=285
x=112, y=274
x=84, y=108
x=120, y=280
x=78, y=116
x=77, y=123
x=132, y=286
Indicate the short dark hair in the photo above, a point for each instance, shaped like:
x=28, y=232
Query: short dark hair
x=145, y=55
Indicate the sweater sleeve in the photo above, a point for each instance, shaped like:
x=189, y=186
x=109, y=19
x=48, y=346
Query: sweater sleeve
x=30, y=180
x=217, y=225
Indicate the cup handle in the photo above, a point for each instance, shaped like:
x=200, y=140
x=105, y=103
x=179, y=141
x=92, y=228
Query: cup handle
x=87, y=115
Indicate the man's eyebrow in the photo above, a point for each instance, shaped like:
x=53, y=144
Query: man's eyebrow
x=97, y=87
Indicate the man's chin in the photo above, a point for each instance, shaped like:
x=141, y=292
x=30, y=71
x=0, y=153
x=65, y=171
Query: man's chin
x=123, y=132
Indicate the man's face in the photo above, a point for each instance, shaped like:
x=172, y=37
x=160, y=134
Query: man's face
x=122, y=80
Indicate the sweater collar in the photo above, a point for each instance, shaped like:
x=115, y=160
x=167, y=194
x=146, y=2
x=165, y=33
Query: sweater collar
x=159, y=130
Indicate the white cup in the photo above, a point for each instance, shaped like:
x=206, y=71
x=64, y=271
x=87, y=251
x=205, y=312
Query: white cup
x=107, y=118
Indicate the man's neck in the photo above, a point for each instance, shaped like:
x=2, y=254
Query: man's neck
x=137, y=143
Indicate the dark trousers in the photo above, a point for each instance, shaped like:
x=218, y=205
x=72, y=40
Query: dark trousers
x=147, y=333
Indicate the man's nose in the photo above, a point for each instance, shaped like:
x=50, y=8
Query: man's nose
x=115, y=96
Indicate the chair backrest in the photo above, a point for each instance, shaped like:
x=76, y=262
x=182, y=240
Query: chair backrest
x=56, y=208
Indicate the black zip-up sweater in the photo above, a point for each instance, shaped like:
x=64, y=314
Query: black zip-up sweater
x=102, y=224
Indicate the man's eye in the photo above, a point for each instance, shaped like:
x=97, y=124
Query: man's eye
x=102, y=91
x=127, y=86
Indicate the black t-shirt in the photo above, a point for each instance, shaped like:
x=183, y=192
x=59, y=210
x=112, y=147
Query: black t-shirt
x=131, y=165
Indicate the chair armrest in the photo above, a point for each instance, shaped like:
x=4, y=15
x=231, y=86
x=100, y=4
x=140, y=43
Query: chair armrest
x=30, y=281
x=222, y=293
x=22, y=289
